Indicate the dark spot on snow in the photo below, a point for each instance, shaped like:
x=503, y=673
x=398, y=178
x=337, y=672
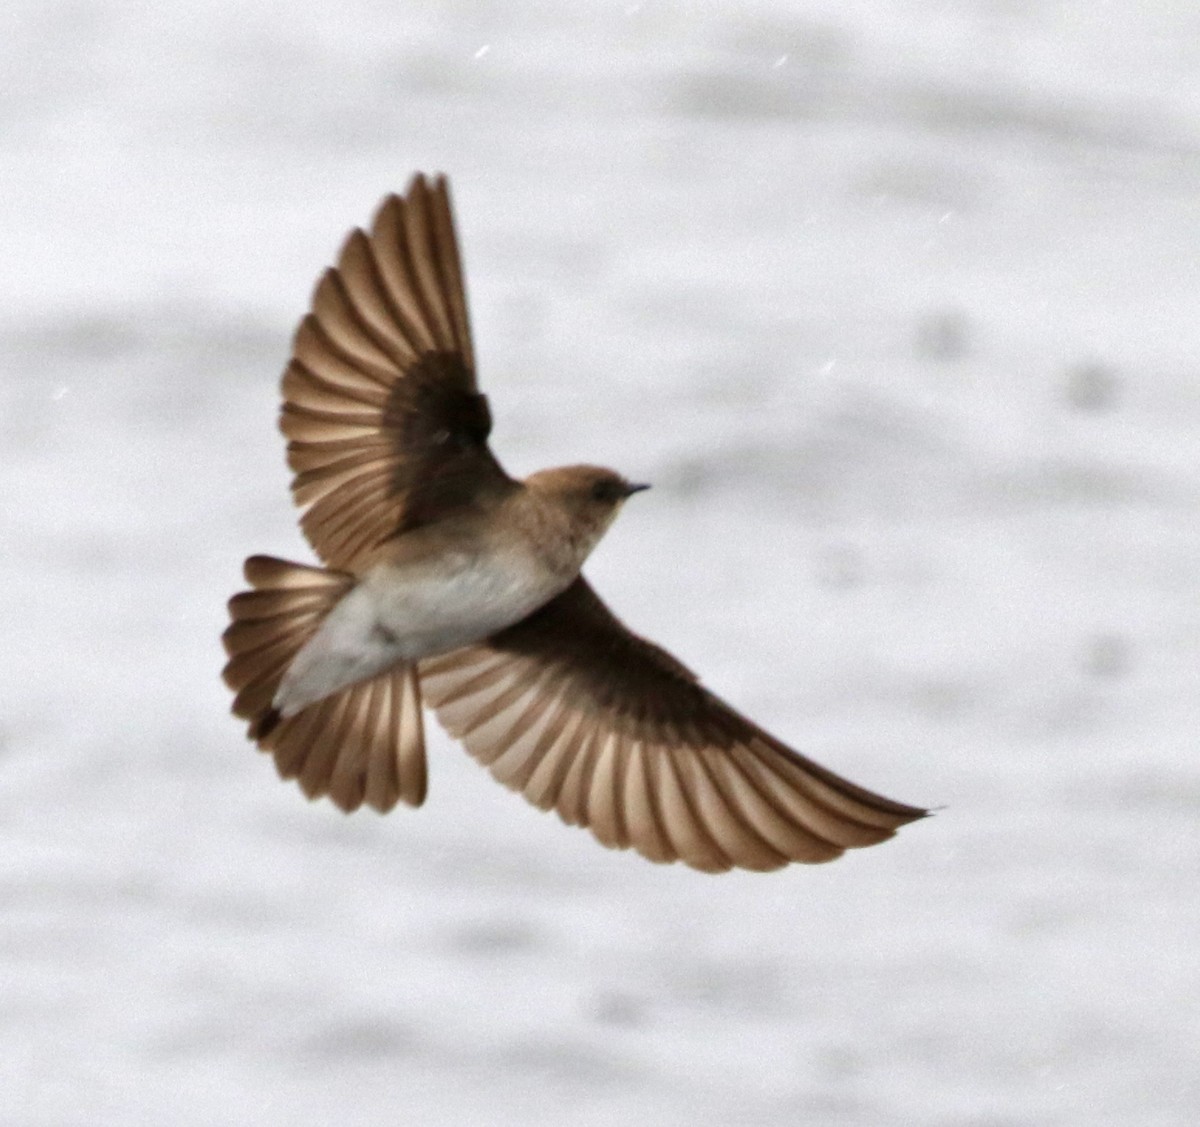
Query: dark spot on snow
x=1092, y=386
x=1106, y=656
x=944, y=336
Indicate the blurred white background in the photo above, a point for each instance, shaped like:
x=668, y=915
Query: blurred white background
x=895, y=302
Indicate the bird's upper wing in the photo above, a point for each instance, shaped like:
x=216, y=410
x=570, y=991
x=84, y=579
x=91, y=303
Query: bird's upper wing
x=579, y=714
x=386, y=426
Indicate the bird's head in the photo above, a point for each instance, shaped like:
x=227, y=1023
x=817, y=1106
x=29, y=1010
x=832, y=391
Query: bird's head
x=589, y=497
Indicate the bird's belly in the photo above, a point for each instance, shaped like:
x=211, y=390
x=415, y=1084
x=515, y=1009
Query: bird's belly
x=428, y=611
x=404, y=612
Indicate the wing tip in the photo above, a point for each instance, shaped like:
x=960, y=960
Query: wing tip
x=420, y=184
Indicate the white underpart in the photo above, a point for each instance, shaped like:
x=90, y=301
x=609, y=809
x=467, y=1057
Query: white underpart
x=404, y=613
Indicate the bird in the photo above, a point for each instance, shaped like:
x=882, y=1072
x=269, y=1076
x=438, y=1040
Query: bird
x=445, y=583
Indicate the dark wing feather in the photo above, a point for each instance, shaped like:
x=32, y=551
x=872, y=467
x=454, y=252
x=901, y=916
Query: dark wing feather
x=581, y=715
x=387, y=429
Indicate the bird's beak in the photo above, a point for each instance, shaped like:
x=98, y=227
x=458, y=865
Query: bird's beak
x=631, y=489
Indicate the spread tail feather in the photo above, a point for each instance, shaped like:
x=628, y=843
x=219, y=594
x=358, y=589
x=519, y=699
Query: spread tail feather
x=365, y=743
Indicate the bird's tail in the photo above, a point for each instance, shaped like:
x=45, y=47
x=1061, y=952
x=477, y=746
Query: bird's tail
x=365, y=743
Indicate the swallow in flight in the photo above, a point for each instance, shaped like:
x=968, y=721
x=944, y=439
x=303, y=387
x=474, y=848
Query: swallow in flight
x=449, y=583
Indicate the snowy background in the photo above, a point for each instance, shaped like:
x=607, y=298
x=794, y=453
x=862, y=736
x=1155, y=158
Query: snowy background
x=895, y=301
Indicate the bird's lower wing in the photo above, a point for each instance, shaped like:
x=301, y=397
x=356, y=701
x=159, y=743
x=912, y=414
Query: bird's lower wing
x=580, y=715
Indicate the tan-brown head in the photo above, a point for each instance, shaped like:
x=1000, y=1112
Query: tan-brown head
x=586, y=498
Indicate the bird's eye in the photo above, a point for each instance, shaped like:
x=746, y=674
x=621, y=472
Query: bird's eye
x=606, y=490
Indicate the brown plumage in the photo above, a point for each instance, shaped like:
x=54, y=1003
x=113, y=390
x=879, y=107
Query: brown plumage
x=446, y=576
x=365, y=744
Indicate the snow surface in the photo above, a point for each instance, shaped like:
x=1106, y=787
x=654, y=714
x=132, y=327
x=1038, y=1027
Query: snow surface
x=895, y=302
